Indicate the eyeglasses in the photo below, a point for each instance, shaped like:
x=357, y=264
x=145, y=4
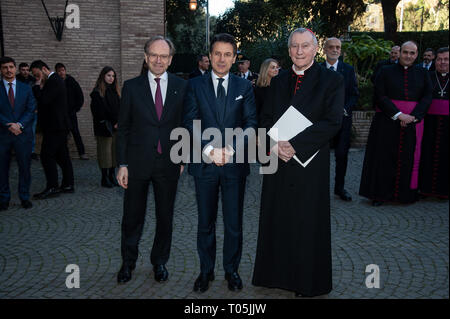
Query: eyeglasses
x=162, y=57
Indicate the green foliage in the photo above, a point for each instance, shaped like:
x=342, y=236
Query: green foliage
x=429, y=39
x=363, y=52
x=186, y=28
x=251, y=20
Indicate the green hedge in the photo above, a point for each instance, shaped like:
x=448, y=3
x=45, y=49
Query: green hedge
x=426, y=39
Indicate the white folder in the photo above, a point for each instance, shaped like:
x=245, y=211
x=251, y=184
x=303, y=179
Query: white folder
x=291, y=123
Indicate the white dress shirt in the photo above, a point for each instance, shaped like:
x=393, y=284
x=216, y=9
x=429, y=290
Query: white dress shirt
x=163, y=84
x=6, y=83
x=215, y=80
x=335, y=65
x=208, y=148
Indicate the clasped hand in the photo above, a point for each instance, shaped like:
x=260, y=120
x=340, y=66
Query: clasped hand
x=220, y=156
x=406, y=119
x=14, y=128
x=284, y=150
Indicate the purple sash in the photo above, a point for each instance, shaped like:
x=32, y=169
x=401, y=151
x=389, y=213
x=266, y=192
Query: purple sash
x=407, y=107
x=438, y=107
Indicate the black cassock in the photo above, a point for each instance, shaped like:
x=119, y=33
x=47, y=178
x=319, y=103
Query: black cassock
x=294, y=239
x=433, y=176
x=391, y=165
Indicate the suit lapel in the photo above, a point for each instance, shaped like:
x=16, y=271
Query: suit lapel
x=231, y=94
x=341, y=68
x=19, y=96
x=4, y=96
x=147, y=95
x=171, y=95
x=210, y=95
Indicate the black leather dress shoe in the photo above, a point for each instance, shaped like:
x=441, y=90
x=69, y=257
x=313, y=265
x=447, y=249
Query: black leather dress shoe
x=377, y=203
x=202, y=282
x=234, y=281
x=344, y=195
x=26, y=204
x=4, y=206
x=47, y=193
x=67, y=189
x=161, y=273
x=124, y=274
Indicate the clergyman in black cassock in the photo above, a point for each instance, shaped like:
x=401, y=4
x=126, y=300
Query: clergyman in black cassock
x=294, y=240
x=391, y=162
x=433, y=174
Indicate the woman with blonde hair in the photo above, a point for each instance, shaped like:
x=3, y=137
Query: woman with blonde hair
x=105, y=102
x=269, y=69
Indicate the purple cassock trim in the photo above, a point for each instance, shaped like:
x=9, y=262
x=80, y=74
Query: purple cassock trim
x=438, y=107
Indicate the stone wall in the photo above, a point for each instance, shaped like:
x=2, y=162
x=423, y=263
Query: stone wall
x=361, y=126
x=112, y=32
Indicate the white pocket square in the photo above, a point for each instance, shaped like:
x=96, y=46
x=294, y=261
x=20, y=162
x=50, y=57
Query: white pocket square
x=239, y=97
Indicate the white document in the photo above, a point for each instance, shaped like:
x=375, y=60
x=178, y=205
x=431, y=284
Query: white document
x=291, y=123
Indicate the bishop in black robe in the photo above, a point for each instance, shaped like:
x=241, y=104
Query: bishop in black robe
x=391, y=162
x=294, y=240
x=433, y=175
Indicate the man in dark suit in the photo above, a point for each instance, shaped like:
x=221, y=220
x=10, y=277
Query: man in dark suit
x=151, y=107
x=25, y=77
x=202, y=66
x=393, y=58
x=17, y=105
x=332, y=49
x=428, y=60
x=75, y=100
x=220, y=100
x=54, y=123
x=244, y=69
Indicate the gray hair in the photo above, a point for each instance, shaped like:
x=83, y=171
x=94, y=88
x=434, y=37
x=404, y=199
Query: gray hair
x=330, y=39
x=302, y=30
x=157, y=38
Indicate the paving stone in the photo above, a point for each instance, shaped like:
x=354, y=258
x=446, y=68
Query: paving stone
x=409, y=243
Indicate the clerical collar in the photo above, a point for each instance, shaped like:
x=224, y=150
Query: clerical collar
x=403, y=66
x=444, y=75
x=301, y=72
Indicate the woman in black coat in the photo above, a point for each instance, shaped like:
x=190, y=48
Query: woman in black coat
x=269, y=69
x=105, y=102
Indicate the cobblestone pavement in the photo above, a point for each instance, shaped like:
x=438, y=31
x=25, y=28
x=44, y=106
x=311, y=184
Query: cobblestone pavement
x=409, y=243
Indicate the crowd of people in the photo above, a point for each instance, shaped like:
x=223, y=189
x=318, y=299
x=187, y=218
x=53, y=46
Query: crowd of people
x=406, y=155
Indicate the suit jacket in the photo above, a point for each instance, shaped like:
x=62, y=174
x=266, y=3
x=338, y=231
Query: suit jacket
x=53, y=110
x=139, y=128
x=252, y=76
x=196, y=73
x=24, y=107
x=378, y=67
x=75, y=97
x=239, y=112
x=432, y=67
x=351, y=86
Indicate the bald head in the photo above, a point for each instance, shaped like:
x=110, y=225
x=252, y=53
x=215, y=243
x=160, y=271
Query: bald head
x=408, y=53
x=408, y=43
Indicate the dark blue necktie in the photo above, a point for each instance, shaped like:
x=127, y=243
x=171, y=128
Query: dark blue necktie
x=221, y=99
x=331, y=68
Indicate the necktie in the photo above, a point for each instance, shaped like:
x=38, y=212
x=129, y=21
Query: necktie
x=220, y=98
x=158, y=106
x=331, y=68
x=11, y=95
